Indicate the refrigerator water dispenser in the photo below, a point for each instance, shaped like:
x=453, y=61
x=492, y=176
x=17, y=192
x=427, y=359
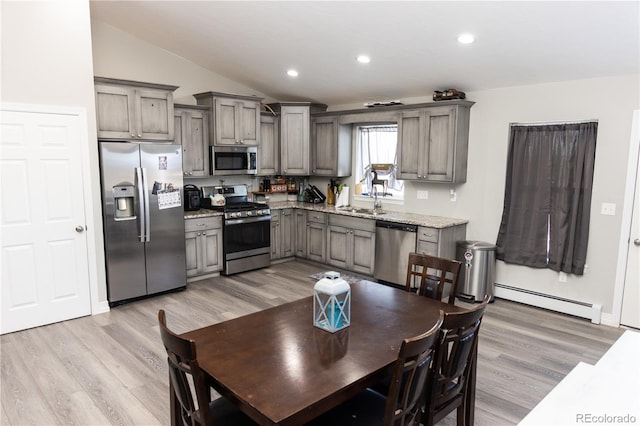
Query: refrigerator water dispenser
x=123, y=197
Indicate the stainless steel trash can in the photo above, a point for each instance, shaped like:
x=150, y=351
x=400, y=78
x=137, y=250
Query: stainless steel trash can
x=478, y=272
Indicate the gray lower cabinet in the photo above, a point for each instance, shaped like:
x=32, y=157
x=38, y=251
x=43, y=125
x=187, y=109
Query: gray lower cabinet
x=433, y=143
x=440, y=242
x=203, y=238
x=192, y=132
x=282, y=234
x=351, y=243
x=316, y=236
x=301, y=233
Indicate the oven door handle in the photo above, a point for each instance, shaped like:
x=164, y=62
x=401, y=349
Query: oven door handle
x=247, y=220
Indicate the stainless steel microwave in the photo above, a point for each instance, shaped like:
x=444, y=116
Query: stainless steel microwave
x=233, y=160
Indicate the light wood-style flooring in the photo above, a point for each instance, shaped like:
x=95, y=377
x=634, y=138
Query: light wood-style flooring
x=111, y=368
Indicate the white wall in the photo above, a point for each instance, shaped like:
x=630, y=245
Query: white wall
x=609, y=100
x=117, y=54
x=46, y=60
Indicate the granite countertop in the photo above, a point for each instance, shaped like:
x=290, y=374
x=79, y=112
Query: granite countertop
x=438, y=222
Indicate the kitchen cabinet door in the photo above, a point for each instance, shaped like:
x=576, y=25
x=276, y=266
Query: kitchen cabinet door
x=301, y=233
x=339, y=246
x=287, y=233
x=433, y=143
x=203, y=241
x=331, y=147
x=134, y=111
x=192, y=253
x=363, y=251
x=237, y=122
x=316, y=241
x=294, y=139
x=212, y=251
x=269, y=147
x=191, y=131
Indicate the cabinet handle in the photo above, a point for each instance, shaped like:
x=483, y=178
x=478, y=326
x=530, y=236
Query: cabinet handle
x=200, y=224
x=198, y=234
x=204, y=233
x=139, y=135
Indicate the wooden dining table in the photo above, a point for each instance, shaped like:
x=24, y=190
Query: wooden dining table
x=280, y=369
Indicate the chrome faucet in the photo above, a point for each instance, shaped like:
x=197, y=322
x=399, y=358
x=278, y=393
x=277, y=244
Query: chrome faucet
x=377, y=204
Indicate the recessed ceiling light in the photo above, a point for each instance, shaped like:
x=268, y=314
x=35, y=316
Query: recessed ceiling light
x=364, y=59
x=292, y=73
x=466, y=38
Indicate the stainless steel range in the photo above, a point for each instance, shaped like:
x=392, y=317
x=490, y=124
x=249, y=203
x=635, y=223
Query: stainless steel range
x=246, y=231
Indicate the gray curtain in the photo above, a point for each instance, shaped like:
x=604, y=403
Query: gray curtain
x=547, y=201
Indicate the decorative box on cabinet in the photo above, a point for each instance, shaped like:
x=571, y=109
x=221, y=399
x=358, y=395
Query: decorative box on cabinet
x=269, y=148
x=295, y=137
x=203, y=237
x=192, y=131
x=433, y=142
x=351, y=243
x=330, y=147
x=133, y=110
x=235, y=119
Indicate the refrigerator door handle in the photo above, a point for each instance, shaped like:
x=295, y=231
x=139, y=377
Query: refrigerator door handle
x=147, y=207
x=142, y=203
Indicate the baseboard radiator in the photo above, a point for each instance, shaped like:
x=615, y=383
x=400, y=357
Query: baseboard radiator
x=546, y=301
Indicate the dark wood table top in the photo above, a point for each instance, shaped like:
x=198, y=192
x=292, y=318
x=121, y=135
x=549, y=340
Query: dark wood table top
x=280, y=369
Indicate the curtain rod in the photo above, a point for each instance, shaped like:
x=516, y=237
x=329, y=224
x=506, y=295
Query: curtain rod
x=546, y=123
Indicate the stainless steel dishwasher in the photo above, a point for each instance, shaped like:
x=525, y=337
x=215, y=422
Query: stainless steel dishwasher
x=394, y=242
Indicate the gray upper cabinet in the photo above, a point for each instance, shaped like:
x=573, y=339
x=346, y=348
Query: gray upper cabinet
x=235, y=119
x=191, y=124
x=133, y=110
x=331, y=147
x=269, y=148
x=295, y=136
x=433, y=143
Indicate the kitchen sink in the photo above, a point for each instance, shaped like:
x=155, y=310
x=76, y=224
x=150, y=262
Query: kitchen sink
x=368, y=211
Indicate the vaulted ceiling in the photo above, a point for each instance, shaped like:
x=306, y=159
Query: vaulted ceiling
x=412, y=45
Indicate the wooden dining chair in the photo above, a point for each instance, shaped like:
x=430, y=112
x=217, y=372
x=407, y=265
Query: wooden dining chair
x=431, y=275
x=405, y=400
x=453, y=377
x=190, y=396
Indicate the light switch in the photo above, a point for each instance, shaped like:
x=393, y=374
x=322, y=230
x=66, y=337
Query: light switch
x=608, y=209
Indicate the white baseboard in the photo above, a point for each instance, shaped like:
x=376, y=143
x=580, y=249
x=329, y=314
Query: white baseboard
x=100, y=308
x=540, y=300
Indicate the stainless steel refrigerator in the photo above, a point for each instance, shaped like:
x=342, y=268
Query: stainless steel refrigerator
x=143, y=218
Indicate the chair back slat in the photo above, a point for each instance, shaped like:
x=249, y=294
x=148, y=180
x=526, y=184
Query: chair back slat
x=432, y=274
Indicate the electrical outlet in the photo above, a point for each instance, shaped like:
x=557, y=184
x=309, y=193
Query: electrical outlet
x=608, y=209
x=423, y=195
x=453, y=196
x=562, y=277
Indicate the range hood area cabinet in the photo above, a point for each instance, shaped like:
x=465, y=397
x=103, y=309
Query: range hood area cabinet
x=191, y=124
x=235, y=119
x=433, y=142
x=295, y=135
x=133, y=110
x=331, y=147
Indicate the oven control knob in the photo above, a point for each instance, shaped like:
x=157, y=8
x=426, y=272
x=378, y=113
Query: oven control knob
x=235, y=214
x=250, y=213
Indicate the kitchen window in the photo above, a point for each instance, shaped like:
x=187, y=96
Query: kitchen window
x=547, y=201
x=376, y=151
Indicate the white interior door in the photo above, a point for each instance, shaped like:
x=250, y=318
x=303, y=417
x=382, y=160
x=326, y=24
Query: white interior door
x=631, y=297
x=45, y=276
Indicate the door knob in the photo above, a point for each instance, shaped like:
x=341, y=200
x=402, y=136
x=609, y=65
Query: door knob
x=79, y=228
x=636, y=241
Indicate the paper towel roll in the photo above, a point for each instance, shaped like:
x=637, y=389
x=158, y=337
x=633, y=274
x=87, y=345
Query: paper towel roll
x=343, y=198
